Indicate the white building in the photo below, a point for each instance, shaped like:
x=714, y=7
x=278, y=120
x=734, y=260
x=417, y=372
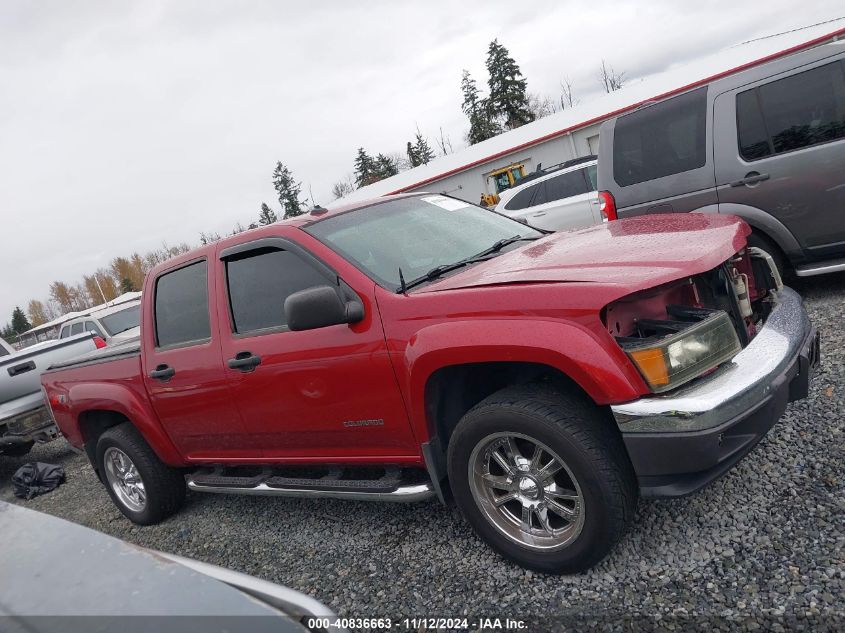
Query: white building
x=575, y=132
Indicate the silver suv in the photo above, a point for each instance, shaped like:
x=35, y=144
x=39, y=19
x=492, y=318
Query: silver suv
x=766, y=144
x=557, y=198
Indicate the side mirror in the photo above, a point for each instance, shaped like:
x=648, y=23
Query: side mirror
x=318, y=307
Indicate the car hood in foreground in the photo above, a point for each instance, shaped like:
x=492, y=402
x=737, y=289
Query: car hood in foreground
x=634, y=253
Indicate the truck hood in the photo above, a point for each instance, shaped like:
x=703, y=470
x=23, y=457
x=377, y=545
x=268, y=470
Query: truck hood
x=633, y=253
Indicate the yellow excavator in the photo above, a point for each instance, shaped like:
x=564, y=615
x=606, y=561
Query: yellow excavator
x=502, y=179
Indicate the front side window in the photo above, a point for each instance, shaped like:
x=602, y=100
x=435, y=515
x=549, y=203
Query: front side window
x=414, y=234
x=661, y=140
x=122, y=321
x=566, y=185
x=791, y=113
x=260, y=281
x=65, y=332
x=181, y=306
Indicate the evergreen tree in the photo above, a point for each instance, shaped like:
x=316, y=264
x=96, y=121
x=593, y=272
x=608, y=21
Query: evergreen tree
x=385, y=167
x=267, y=215
x=8, y=333
x=366, y=170
x=419, y=152
x=412, y=155
x=288, y=191
x=508, y=100
x=481, y=124
x=20, y=323
x=126, y=285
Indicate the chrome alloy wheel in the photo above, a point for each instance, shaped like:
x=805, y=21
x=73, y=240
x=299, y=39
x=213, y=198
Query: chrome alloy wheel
x=526, y=491
x=124, y=479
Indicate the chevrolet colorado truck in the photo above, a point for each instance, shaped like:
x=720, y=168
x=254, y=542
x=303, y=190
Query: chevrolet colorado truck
x=418, y=346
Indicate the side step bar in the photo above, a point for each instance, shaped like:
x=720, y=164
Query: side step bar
x=821, y=269
x=387, y=488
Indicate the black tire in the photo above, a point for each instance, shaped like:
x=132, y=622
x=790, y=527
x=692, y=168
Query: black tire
x=163, y=485
x=584, y=437
x=762, y=242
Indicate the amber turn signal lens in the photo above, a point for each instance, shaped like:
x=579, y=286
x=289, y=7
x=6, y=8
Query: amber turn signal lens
x=652, y=364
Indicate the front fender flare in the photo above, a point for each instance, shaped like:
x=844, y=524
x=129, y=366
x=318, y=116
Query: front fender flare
x=602, y=370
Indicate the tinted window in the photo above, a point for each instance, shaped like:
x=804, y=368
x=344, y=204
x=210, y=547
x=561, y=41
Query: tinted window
x=65, y=332
x=181, y=306
x=90, y=326
x=3, y=350
x=566, y=185
x=76, y=328
x=260, y=282
x=522, y=199
x=791, y=113
x=753, y=139
x=660, y=140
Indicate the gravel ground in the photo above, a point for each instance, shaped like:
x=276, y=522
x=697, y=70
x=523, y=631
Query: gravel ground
x=761, y=549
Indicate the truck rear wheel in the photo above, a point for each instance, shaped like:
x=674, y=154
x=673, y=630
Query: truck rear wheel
x=542, y=478
x=142, y=487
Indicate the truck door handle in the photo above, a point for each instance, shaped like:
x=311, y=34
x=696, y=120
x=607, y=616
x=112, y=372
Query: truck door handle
x=17, y=370
x=537, y=215
x=752, y=177
x=163, y=373
x=245, y=361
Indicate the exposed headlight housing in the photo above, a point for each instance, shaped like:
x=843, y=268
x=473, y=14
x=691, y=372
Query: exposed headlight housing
x=671, y=360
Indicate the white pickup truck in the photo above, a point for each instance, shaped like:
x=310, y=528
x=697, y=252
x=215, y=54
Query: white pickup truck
x=24, y=419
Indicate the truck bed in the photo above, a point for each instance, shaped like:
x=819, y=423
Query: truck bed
x=102, y=355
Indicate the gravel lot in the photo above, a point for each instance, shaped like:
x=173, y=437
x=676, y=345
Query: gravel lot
x=763, y=548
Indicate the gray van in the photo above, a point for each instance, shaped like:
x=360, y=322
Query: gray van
x=766, y=144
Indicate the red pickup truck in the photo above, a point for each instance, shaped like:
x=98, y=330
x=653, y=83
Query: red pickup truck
x=419, y=346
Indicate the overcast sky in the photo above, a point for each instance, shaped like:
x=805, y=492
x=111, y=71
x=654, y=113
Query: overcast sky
x=124, y=124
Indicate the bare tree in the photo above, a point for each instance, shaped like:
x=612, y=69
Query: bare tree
x=344, y=186
x=444, y=143
x=541, y=105
x=567, y=100
x=609, y=78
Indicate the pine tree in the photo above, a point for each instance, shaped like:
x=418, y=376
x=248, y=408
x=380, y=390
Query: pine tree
x=366, y=171
x=508, y=99
x=385, y=167
x=20, y=323
x=288, y=191
x=267, y=215
x=412, y=155
x=481, y=124
x=419, y=152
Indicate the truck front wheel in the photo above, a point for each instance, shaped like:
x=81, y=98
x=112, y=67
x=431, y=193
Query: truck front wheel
x=141, y=486
x=542, y=478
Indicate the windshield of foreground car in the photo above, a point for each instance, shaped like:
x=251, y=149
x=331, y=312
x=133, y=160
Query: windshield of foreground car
x=122, y=321
x=415, y=234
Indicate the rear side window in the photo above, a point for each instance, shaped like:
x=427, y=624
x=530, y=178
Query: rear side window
x=181, y=306
x=566, y=185
x=522, y=200
x=76, y=328
x=661, y=140
x=794, y=112
x=260, y=281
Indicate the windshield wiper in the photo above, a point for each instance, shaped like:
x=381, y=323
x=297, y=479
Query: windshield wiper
x=437, y=271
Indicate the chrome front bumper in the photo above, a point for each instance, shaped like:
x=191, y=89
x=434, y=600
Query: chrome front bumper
x=683, y=440
x=737, y=386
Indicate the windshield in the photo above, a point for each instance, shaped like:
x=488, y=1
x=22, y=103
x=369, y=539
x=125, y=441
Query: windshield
x=414, y=234
x=122, y=321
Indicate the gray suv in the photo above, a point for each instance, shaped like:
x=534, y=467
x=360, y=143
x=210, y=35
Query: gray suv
x=766, y=144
